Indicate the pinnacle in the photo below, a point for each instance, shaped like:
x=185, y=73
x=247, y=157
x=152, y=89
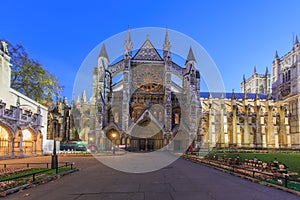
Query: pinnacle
x=103, y=52
x=190, y=56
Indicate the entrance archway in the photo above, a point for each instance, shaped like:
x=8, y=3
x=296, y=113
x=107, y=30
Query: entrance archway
x=146, y=136
x=4, y=141
x=27, y=142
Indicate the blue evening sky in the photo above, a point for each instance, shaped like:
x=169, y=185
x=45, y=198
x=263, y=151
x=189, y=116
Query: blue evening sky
x=237, y=34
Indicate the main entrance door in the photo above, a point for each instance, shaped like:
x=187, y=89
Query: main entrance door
x=145, y=144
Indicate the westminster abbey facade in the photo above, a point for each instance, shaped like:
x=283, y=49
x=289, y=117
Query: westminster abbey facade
x=146, y=109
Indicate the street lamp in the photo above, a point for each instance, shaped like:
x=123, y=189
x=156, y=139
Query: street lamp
x=54, y=160
x=114, y=141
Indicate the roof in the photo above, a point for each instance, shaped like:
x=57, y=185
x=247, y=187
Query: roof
x=227, y=95
x=147, y=52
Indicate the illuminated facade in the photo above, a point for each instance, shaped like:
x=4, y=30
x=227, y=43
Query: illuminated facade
x=143, y=109
x=257, y=118
x=22, y=120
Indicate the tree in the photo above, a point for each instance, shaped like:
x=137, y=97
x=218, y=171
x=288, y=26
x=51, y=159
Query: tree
x=29, y=77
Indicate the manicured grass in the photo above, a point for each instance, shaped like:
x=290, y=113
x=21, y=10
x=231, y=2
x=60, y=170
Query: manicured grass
x=34, y=170
x=292, y=161
x=28, y=179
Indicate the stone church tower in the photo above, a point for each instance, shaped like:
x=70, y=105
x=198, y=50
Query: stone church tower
x=257, y=83
x=286, y=89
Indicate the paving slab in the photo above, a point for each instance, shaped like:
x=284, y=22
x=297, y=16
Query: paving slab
x=180, y=180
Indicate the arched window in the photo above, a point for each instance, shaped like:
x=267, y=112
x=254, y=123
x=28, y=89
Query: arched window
x=3, y=134
x=4, y=145
x=133, y=115
x=116, y=117
x=160, y=116
x=176, y=118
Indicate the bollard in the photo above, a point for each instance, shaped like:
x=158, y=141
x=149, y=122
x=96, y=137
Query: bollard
x=33, y=177
x=71, y=165
x=285, y=180
x=56, y=170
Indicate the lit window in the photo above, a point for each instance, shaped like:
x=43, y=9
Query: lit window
x=176, y=118
x=160, y=116
x=26, y=134
x=116, y=117
x=3, y=134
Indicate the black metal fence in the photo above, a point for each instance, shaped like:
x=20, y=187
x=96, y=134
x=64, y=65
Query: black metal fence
x=35, y=175
x=273, y=177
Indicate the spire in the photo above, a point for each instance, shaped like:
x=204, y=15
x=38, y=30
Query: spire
x=296, y=41
x=244, y=79
x=103, y=52
x=267, y=70
x=256, y=95
x=73, y=100
x=222, y=96
x=245, y=95
x=128, y=44
x=210, y=96
x=276, y=55
x=254, y=69
x=65, y=101
x=78, y=100
x=268, y=96
x=84, y=96
x=167, y=43
x=190, y=56
x=233, y=95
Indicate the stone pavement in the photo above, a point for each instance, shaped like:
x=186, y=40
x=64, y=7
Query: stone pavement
x=180, y=180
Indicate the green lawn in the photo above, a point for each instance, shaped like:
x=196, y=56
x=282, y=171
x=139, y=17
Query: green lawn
x=34, y=170
x=292, y=161
x=28, y=179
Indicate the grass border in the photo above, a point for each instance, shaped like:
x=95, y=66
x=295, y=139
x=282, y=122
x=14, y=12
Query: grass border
x=245, y=177
x=37, y=182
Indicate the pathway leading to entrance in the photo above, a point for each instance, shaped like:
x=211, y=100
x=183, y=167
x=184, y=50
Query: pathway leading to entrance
x=180, y=180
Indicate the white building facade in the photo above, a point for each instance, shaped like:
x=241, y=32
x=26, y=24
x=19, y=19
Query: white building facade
x=23, y=121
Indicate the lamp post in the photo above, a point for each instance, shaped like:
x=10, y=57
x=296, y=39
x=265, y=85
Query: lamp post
x=114, y=141
x=54, y=160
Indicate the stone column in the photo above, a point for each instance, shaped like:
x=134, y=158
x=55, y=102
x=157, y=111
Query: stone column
x=258, y=134
x=11, y=148
x=222, y=125
x=233, y=136
x=126, y=95
x=246, y=134
x=34, y=146
x=270, y=131
x=282, y=130
x=21, y=144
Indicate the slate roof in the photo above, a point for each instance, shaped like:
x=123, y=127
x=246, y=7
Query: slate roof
x=227, y=95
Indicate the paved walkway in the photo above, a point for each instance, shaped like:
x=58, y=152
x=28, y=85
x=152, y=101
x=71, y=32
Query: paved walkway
x=180, y=180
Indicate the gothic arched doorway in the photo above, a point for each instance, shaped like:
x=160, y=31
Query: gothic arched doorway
x=27, y=142
x=5, y=137
x=146, y=135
